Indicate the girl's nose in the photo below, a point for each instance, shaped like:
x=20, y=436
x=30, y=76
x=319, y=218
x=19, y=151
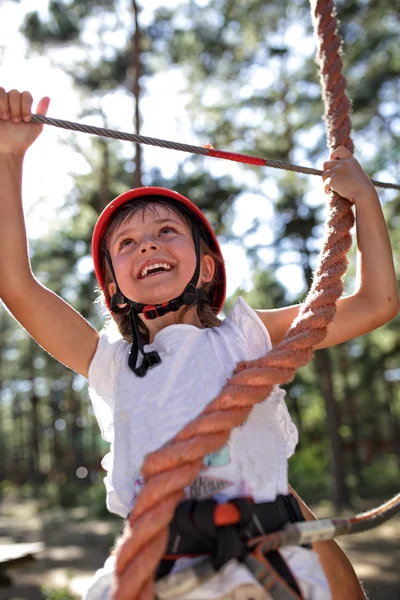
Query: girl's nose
x=148, y=245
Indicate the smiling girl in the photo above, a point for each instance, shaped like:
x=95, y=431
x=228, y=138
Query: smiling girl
x=161, y=271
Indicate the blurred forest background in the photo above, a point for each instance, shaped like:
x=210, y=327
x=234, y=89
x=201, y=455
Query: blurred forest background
x=251, y=86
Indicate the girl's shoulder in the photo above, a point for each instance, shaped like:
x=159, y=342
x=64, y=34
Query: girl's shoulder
x=256, y=335
x=101, y=377
x=110, y=344
x=110, y=350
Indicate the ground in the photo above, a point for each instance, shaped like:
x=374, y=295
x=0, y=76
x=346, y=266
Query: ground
x=76, y=546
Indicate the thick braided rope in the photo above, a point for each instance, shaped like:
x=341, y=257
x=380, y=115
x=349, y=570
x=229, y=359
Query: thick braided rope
x=204, y=151
x=169, y=470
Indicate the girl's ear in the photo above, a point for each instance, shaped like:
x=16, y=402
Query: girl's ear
x=207, y=269
x=112, y=288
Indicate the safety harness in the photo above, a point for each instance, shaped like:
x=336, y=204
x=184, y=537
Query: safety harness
x=222, y=532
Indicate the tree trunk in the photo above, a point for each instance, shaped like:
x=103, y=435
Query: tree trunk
x=105, y=195
x=75, y=430
x=324, y=368
x=57, y=394
x=393, y=421
x=18, y=450
x=34, y=451
x=299, y=418
x=350, y=403
x=136, y=72
x=3, y=461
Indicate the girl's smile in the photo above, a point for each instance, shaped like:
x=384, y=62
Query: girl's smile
x=154, y=268
x=153, y=255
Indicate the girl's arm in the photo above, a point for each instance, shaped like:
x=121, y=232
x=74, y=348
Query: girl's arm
x=376, y=298
x=57, y=327
x=337, y=567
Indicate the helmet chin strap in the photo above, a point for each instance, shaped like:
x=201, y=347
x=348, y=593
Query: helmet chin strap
x=190, y=295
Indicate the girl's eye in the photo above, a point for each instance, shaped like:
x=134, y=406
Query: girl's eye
x=168, y=229
x=124, y=242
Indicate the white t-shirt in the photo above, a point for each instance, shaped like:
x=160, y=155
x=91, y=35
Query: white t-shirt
x=138, y=415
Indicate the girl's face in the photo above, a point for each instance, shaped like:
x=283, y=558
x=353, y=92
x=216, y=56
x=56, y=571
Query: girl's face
x=153, y=255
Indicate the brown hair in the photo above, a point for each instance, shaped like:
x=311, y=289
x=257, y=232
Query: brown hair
x=205, y=312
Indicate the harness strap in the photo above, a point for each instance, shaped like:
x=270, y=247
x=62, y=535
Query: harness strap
x=273, y=573
x=197, y=524
x=224, y=530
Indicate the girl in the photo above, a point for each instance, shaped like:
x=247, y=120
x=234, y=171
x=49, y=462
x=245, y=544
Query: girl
x=160, y=268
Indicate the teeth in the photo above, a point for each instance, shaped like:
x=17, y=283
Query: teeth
x=164, y=266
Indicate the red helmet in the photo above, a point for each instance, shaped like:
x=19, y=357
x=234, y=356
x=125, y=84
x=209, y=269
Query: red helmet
x=219, y=289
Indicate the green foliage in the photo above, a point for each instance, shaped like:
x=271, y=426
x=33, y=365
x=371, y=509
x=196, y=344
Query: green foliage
x=265, y=293
x=63, y=22
x=78, y=494
x=58, y=594
x=380, y=478
x=309, y=473
x=68, y=496
x=95, y=499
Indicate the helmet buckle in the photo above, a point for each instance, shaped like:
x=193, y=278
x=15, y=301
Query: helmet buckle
x=189, y=296
x=117, y=298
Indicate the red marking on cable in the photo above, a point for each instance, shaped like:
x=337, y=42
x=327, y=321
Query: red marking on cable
x=243, y=158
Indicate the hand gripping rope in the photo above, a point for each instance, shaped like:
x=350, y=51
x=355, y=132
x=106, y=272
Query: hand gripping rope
x=169, y=470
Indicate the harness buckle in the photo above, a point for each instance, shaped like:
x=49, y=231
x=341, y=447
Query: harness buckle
x=150, y=312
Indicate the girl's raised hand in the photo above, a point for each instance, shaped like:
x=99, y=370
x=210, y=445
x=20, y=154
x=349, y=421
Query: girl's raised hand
x=344, y=175
x=16, y=131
